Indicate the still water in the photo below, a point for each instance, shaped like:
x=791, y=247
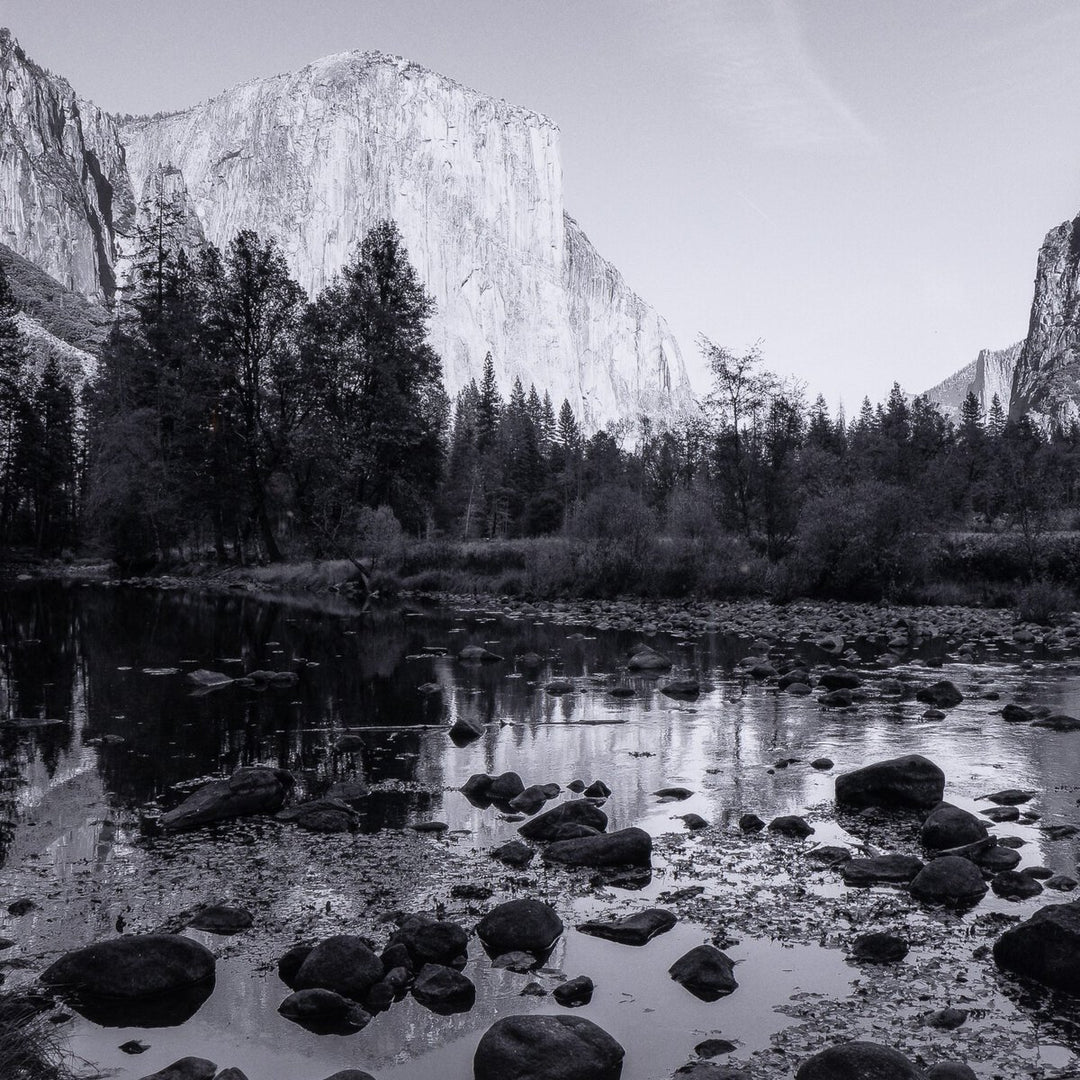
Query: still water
x=99, y=724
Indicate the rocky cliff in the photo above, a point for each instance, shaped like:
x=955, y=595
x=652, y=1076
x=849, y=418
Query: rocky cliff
x=1047, y=383
x=65, y=197
x=317, y=156
x=989, y=374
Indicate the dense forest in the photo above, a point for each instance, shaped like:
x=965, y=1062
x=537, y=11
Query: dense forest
x=234, y=418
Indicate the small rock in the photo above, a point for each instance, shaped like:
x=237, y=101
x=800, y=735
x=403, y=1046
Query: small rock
x=575, y=992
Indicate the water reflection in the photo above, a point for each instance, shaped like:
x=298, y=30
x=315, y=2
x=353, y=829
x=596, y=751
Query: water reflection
x=98, y=721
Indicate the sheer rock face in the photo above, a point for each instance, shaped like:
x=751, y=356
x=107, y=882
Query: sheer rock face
x=317, y=156
x=989, y=374
x=1047, y=383
x=65, y=198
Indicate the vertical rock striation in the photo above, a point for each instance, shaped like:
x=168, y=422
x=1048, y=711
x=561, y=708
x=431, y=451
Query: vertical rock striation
x=317, y=156
x=65, y=198
x=989, y=374
x=1047, y=381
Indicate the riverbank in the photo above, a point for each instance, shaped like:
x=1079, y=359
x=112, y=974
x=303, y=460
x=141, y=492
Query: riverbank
x=1038, y=577
x=564, y=706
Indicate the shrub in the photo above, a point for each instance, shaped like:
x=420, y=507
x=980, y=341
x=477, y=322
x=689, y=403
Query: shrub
x=1042, y=602
x=856, y=543
x=380, y=538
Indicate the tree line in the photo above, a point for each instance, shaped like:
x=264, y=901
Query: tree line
x=233, y=415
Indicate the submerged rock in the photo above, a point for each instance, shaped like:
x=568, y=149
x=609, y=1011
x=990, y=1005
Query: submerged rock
x=574, y=992
x=950, y=880
x=444, y=990
x=134, y=966
x=881, y=869
x=478, y=654
x=909, y=781
x=324, y=1009
x=520, y=925
x=429, y=940
x=1015, y=885
x=879, y=948
x=326, y=815
x=948, y=826
x=188, y=1068
x=942, y=694
x=546, y=826
x=636, y=929
x=627, y=847
x=251, y=790
x=859, y=1061
x=706, y=972
x=221, y=919
x=547, y=1048
x=791, y=825
x=1045, y=947
x=645, y=658
x=343, y=963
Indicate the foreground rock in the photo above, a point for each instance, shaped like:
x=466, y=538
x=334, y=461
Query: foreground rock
x=636, y=929
x=627, y=847
x=188, y=1068
x=324, y=1010
x=483, y=788
x=880, y=870
x=950, y=880
x=910, y=781
x=942, y=695
x=520, y=925
x=879, y=948
x=948, y=826
x=429, y=940
x=859, y=1061
x=344, y=964
x=1046, y=947
x=444, y=990
x=252, y=790
x=547, y=1048
x=136, y=966
x=547, y=826
x=706, y=972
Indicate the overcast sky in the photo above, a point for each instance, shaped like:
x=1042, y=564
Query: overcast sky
x=861, y=186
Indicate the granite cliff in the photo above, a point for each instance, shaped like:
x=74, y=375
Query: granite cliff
x=1047, y=383
x=314, y=158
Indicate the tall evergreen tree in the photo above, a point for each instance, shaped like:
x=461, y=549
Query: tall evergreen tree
x=384, y=395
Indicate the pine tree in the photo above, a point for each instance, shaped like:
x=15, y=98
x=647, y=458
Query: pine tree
x=14, y=362
x=490, y=407
x=995, y=421
x=384, y=391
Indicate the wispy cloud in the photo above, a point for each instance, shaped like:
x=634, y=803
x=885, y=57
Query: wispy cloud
x=759, y=73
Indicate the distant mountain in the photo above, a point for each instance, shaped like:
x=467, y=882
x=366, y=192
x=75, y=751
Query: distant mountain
x=990, y=373
x=315, y=158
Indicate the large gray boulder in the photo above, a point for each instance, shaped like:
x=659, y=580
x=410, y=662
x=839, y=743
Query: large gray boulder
x=251, y=790
x=909, y=781
x=547, y=1048
x=859, y=1061
x=1045, y=947
x=135, y=966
